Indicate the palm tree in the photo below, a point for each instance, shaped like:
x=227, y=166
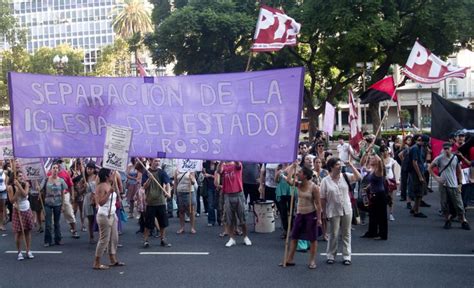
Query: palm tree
x=132, y=22
x=132, y=16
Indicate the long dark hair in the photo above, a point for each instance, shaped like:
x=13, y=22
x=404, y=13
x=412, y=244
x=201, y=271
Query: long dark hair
x=103, y=174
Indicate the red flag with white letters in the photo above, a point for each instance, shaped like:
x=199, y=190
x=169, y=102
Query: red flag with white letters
x=425, y=67
x=274, y=30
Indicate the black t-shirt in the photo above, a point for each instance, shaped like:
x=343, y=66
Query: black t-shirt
x=210, y=167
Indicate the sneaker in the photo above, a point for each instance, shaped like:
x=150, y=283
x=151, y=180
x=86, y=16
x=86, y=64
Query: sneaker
x=231, y=243
x=409, y=206
x=198, y=215
x=391, y=218
x=247, y=241
x=30, y=255
x=420, y=215
x=164, y=243
x=186, y=219
x=75, y=235
x=146, y=244
x=447, y=224
x=210, y=224
x=20, y=257
x=465, y=226
x=424, y=204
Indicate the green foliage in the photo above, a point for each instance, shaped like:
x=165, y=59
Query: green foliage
x=114, y=60
x=42, y=60
x=7, y=21
x=405, y=115
x=132, y=16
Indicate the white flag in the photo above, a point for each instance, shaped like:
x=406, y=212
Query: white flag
x=329, y=117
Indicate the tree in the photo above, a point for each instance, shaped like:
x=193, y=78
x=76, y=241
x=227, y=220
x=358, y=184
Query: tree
x=133, y=16
x=42, y=60
x=114, y=60
x=203, y=36
x=7, y=21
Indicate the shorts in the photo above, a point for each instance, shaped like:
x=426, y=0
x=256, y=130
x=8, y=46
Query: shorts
x=183, y=200
x=448, y=194
x=418, y=188
x=35, y=203
x=158, y=212
x=305, y=227
x=234, y=208
x=3, y=195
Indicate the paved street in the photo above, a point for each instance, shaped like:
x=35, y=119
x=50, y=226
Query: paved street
x=444, y=259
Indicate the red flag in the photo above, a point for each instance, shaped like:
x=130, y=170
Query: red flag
x=274, y=30
x=380, y=91
x=141, y=69
x=356, y=134
x=425, y=67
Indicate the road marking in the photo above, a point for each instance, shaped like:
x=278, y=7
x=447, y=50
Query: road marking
x=174, y=253
x=36, y=252
x=406, y=254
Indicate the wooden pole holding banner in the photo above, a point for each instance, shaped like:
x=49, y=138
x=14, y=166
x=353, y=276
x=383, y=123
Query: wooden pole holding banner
x=40, y=198
x=150, y=174
x=288, y=230
x=18, y=208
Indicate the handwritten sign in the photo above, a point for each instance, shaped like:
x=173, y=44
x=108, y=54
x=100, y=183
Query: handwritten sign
x=6, y=145
x=252, y=116
x=32, y=168
x=184, y=165
x=116, y=148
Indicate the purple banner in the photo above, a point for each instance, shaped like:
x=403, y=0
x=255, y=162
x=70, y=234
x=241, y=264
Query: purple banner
x=252, y=116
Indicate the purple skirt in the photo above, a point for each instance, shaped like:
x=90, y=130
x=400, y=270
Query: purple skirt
x=305, y=227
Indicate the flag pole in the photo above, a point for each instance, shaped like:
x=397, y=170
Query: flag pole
x=386, y=110
x=151, y=175
x=290, y=216
x=249, y=61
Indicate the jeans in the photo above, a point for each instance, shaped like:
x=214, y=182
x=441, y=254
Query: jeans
x=212, y=202
x=204, y=200
x=378, y=225
x=403, y=184
x=51, y=211
x=284, y=207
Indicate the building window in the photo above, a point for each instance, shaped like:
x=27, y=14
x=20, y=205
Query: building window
x=452, y=89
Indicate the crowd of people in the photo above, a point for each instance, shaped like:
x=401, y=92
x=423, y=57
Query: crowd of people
x=329, y=194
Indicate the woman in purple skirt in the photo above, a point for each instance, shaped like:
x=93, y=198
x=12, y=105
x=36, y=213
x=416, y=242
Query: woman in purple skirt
x=308, y=216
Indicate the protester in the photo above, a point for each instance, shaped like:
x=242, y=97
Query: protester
x=283, y=195
x=318, y=175
x=54, y=190
x=250, y=177
x=378, y=226
x=156, y=194
x=449, y=179
x=234, y=200
x=389, y=164
x=345, y=151
x=3, y=195
x=208, y=170
x=267, y=187
x=89, y=205
x=336, y=203
x=185, y=192
x=132, y=184
x=308, y=217
x=22, y=222
x=105, y=197
x=416, y=179
x=405, y=168
x=67, y=197
x=77, y=175
x=35, y=205
x=141, y=206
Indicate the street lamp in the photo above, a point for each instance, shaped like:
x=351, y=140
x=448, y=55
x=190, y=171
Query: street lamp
x=60, y=63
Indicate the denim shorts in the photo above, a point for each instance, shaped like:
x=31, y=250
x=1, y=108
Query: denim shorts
x=3, y=195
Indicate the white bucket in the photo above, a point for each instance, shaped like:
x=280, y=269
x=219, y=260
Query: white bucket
x=264, y=218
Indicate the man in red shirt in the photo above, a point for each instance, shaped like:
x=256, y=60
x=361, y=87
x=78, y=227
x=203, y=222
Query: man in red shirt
x=234, y=200
x=68, y=196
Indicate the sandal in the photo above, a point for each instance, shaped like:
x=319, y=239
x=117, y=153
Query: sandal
x=101, y=267
x=330, y=261
x=312, y=266
x=117, y=264
x=180, y=231
x=223, y=234
x=346, y=262
x=288, y=264
x=193, y=231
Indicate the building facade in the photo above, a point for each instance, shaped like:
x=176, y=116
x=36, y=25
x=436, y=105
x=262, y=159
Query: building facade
x=84, y=24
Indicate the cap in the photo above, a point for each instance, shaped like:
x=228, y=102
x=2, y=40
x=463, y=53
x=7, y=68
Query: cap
x=447, y=145
x=91, y=164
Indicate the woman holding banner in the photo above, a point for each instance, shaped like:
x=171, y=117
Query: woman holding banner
x=184, y=190
x=77, y=175
x=22, y=221
x=88, y=206
x=3, y=195
x=105, y=197
x=308, y=216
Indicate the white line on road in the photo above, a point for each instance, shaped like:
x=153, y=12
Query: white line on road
x=174, y=253
x=407, y=254
x=36, y=252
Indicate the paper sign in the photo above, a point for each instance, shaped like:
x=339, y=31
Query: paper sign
x=32, y=168
x=190, y=165
x=116, y=148
x=6, y=143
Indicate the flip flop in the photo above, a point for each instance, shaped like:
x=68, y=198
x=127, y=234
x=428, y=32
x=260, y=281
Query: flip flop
x=223, y=234
x=180, y=231
x=193, y=231
x=101, y=267
x=117, y=264
x=312, y=266
x=288, y=264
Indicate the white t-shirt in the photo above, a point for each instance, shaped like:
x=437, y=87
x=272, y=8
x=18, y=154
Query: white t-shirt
x=389, y=168
x=344, y=151
x=338, y=202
